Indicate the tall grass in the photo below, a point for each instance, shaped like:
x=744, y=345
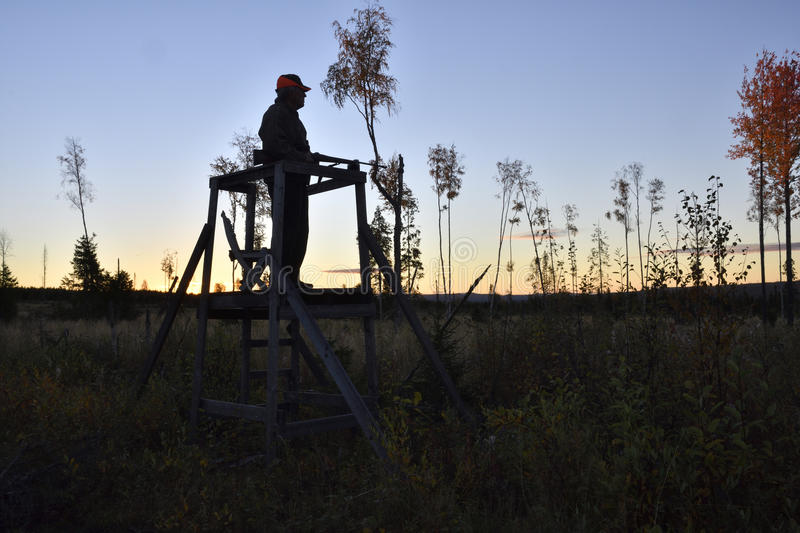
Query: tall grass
x=593, y=420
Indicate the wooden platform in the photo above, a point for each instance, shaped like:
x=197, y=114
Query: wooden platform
x=322, y=303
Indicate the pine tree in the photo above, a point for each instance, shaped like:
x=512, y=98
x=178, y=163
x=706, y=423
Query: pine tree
x=86, y=272
x=7, y=279
x=411, y=256
x=382, y=232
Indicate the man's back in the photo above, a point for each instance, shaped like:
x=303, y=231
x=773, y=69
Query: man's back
x=282, y=134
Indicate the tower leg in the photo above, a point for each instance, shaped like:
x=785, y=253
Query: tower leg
x=370, y=351
x=244, y=374
x=202, y=318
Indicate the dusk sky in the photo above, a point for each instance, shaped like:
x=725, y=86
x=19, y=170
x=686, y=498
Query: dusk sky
x=155, y=91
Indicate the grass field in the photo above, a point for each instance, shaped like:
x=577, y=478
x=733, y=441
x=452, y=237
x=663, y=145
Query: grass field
x=596, y=416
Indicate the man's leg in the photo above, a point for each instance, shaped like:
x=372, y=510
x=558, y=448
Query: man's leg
x=295, y=228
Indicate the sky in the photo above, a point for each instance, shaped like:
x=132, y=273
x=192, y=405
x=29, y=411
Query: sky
x=156, y=90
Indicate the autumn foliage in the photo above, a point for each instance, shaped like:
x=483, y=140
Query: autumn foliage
x=768, y=133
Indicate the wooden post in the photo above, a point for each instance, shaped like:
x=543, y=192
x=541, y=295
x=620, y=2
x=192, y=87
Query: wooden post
x=351, y=395
x=174, y=304
x=294, y=374
x=247, y=326
x=275, y=290
x=370, y=350
x=413, y=320
x=202, y=314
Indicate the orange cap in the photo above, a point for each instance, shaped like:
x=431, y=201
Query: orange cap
x=291, y=80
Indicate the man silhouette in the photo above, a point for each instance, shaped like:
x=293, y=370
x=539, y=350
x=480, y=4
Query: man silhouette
x=283, y=136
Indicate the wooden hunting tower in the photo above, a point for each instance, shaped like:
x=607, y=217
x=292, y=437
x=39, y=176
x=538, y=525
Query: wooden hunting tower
x=281, y=300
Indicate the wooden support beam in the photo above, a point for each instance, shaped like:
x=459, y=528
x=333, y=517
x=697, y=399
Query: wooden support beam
x=262, y=374
x=370, y=349
x=218, y=310
x=327, y=400
x=236, y=180
x=276, y=281
x=264, y=343
x=256, y=413
x=365, y=419
x=247, y=325
x=244, y=365
x=325, y=186
x=311, y=362
x=316, y=425
x=415, y=323
x=174, y=305
x=294, y=377
x=202, y=312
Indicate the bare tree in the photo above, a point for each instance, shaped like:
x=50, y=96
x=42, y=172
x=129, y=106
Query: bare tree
x=508, y=174
x=599, y=257
x=77, y=188
x=44, y=267
x=168, y=265
x=446, y=170
x=634, y=172
x=528, y=192
x=622, y=213
x=655, y=197
x=571, y=214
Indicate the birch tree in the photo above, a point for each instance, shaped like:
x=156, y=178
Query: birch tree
x=446, y=170
x=78, y=190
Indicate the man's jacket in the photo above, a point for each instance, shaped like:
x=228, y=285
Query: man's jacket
x=282, y=134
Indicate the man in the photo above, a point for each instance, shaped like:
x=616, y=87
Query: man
x=283, y=136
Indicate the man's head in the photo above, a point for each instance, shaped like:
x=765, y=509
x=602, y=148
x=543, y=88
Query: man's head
x=291, y=90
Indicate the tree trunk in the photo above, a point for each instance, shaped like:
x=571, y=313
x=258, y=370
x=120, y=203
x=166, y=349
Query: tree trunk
x=449, y=263
x=761, y=241
x=398, y=227
x=441, y=253
x=787, y=197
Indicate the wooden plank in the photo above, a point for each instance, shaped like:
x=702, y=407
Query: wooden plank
x=262, y=374
x=340, y=174
x=311, y=361
x=273, y=355
x=370, y=348
x=264, y=343
x=416, y=325
x=235, y=180
x=317, y=425
x=294, y=379
x=327, y=400
x=174, y=305
x=250, y=216
x=202, y=322
x=244, y=367
x=325, y=186
x=317, y=311
x=247, y=324
x=365, y=419
x=256, y=413
x=334, y=297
